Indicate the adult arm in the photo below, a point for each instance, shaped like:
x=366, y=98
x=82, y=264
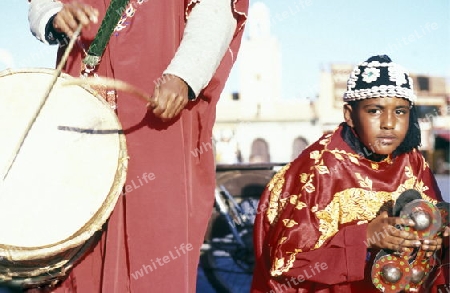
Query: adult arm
x=210, y=28
x=39, y=14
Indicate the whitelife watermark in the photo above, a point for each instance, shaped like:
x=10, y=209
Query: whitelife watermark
x=307, y=274
x=292, y=10
x=145, y=178
x=210, y=146
x=416, y=35
x=172, y=255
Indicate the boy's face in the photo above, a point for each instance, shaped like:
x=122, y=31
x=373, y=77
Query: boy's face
x=381, y=123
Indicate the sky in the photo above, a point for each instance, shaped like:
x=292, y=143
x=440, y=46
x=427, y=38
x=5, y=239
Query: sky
x=312, y=35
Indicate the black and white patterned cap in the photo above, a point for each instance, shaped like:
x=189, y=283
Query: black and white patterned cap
x=379, y=77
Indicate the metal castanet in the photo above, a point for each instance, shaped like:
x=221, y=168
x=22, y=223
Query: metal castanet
x=406, y=271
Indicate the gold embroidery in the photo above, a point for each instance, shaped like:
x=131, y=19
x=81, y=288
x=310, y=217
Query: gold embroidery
x=289, y=223
x=364, y=182
x=338, y=156
x=374, y=165
x=279, y=267
x=408, y=171
x=275, y=186
x=303, y=177
x=309, y=186
x=359, y=204
x=315, y=155
x=293, y=199
x=283, y=202
x=328, y=221
x=388, y=160
x=300, y=205
x=425, y=163
x=326, y=140
x=279, y=263
x=353, y=159
x=322, y=169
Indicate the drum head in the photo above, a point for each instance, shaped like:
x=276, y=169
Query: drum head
x=70, y=169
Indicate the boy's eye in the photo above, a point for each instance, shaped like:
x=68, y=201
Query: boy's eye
x=374, y=111
x=400, y=112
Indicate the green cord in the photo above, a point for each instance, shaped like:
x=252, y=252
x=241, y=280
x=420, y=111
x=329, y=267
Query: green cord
x=109, y=23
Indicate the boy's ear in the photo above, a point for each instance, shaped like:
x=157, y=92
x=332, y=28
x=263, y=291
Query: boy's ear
x=348, y=114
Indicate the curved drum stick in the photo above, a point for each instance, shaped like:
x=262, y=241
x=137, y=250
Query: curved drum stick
x=41, y=105
x=112, y=84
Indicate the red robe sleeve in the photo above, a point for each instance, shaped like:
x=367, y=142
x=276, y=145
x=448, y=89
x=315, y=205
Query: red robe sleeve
x=340, y=258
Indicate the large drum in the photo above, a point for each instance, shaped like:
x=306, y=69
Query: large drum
x=65, y=180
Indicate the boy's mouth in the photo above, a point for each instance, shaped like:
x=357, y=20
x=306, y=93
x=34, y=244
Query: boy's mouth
x=386, y=139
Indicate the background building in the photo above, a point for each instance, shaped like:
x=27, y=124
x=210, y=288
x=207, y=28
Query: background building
x=256, y=125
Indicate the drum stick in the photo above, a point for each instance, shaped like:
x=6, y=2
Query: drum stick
x=45, y=98
x=111, y=84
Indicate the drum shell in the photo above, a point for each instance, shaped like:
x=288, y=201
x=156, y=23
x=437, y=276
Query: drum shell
x=29, y=266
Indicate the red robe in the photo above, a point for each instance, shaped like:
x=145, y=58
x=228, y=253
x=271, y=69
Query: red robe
x=310, y=232
x=153, y=238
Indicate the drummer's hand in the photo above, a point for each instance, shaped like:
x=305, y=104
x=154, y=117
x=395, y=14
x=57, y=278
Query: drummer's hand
x=169, y=97
x=74, y=13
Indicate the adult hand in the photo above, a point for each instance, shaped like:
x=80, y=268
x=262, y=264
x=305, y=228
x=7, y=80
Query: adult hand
x=382, y=233
x=169, y=97
x=74, y=13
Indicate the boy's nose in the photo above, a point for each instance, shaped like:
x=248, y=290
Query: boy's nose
x=387, y=120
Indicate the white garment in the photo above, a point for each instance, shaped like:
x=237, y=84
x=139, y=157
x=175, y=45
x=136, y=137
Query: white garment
x=211, y=22
x=39, y=13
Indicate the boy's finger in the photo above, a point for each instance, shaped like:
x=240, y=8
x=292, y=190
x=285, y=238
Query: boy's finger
x=446, y=232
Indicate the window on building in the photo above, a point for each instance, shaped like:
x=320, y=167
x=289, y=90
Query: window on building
x=423, y=83
x=260, y=151
x=300, y=143
x=427, y=111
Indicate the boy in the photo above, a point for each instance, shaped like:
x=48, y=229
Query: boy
x=320, y=224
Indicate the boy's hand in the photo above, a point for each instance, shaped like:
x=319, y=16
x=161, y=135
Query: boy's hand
x=72, y=14
x=431, y=246
x=382, y=233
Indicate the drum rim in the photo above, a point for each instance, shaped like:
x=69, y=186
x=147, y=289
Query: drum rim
x=77, y=239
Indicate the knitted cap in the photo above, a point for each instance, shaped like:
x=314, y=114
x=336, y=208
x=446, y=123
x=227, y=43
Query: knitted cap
x=379, y=77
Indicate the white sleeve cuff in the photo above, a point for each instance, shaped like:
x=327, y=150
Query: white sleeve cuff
x=39, y=13
x=208, y=33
